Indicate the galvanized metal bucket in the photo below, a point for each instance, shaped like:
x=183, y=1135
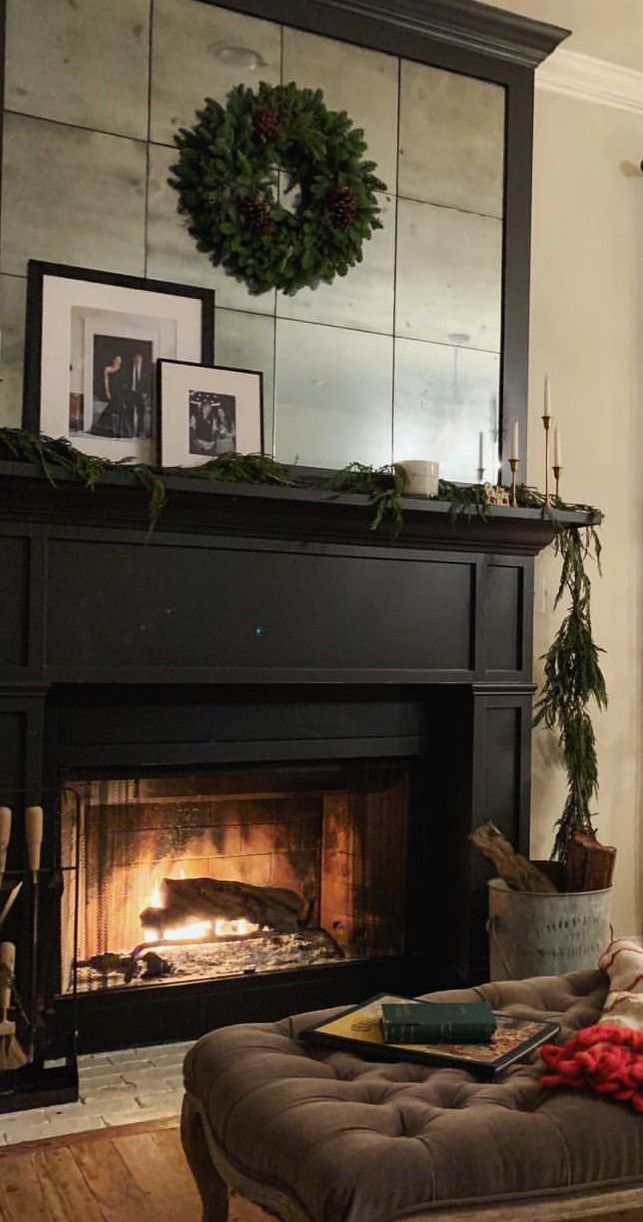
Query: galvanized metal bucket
x=542, y=934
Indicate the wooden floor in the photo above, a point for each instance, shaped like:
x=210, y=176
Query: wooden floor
x=134, y=1174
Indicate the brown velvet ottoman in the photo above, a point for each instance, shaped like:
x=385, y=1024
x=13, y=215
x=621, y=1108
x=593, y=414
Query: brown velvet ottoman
x=316, y=1135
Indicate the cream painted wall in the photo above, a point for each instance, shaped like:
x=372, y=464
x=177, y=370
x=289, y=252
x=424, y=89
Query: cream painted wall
x=587, y=330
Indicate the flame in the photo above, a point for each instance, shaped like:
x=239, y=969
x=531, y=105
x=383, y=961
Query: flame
x=194, y=931
x=156, y=900
x=191, y=932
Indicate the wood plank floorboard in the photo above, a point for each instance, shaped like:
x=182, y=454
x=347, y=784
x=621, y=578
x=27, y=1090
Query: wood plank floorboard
x=134, y=1173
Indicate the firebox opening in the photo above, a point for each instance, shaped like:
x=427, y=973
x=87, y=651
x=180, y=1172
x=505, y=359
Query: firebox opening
x=240, y=871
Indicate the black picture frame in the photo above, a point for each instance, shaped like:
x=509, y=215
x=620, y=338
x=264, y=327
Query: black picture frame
x=489, y=1071
x=212, y=367
x=37, y=273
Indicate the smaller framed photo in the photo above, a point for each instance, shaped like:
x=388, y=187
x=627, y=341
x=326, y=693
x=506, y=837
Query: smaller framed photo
x=208, y=410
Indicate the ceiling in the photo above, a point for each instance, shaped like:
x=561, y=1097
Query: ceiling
x=606, y=29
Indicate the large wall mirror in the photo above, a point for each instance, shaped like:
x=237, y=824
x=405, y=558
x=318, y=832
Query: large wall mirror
x=401, y=358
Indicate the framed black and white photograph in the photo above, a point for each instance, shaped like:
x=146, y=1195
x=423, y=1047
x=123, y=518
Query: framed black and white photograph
x=92, y=346
x=208, y=410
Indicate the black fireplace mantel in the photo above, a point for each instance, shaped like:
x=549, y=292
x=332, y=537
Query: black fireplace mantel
x=257, y=584
x=263, y=624
x=269, y=511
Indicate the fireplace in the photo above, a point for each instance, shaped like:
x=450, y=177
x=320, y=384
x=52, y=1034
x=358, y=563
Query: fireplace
x=230, y=873
x=238, y=853
x=264, y=694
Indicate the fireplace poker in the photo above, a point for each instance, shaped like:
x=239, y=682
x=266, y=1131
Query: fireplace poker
x=33, y=833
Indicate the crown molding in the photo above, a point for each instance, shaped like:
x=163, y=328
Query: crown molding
x=591, y=80
x=465, y=24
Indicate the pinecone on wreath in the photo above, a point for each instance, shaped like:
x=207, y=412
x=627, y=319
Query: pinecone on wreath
x=266, y=124
x=256, y=215
x=341, y=207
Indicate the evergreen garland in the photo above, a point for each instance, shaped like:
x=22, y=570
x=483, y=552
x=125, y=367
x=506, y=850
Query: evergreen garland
x=53, y=456
x=383, y=486
x=228, y=181
x=467, y=500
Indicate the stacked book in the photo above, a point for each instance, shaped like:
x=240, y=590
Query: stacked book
x=432, y=1022
x=465, y=1035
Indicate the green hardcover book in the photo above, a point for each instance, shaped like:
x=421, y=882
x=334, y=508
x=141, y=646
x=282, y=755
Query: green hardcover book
x=429, y=1022
x=359, y=1029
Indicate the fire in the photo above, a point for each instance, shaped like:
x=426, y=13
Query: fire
x=190, y=932
x=234, y=929
x=156, y=901
x=195, y=931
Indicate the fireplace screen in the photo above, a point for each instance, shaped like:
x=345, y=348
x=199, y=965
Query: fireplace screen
x=244, y=870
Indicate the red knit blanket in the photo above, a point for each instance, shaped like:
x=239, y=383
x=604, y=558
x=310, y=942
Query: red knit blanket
x=606, y=1059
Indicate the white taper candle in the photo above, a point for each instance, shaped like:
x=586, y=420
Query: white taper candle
x=515, y=445
x=547, y=400
x=558, y=447
x=481, y=451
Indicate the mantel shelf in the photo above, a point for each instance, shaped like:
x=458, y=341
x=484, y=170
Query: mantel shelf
x=267, y=511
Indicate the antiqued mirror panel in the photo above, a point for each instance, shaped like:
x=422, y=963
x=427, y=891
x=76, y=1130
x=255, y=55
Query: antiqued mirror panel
x=397, y=360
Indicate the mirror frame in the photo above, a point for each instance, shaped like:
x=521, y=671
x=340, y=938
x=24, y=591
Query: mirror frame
x=475, y=40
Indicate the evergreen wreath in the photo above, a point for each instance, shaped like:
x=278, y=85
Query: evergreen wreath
x=228, y=181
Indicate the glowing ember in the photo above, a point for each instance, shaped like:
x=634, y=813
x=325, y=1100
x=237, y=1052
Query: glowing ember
x=190, y=932
x=234, y=929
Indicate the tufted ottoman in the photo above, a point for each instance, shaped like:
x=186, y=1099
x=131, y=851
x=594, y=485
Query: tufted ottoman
x=317, y=1135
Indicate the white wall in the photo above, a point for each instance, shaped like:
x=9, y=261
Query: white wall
x=587, y=330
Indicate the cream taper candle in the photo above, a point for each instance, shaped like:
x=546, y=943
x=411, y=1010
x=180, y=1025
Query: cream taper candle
x=515, y=444
x=547, y=398
x=558, y=447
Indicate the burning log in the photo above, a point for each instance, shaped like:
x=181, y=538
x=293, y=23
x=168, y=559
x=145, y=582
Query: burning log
x=186, y=900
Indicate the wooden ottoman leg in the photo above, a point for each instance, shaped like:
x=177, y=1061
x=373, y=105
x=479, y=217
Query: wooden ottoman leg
x=213, y=1190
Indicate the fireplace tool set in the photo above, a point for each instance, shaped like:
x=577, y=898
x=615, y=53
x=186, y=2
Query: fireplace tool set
x=26, y=1080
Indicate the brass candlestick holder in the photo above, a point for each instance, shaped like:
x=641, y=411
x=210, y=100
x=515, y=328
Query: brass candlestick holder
x=513, y=463
x=557, y=470
x=547, y=425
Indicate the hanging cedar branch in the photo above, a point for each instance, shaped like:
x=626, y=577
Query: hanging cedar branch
x=572, y=680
